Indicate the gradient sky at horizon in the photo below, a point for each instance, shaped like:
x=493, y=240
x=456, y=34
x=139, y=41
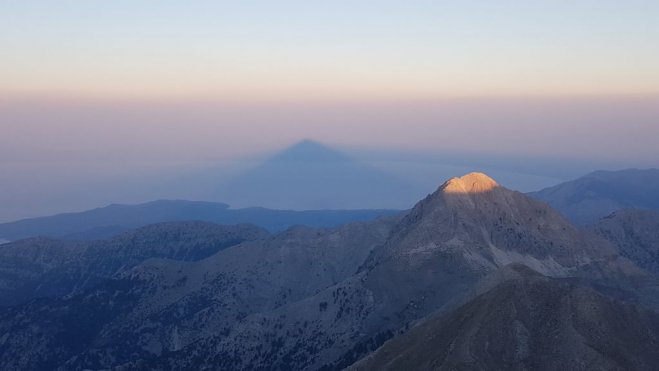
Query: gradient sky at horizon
x=101, y=91
x=366, y=49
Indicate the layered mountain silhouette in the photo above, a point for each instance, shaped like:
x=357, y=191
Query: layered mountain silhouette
x=598, y=194
x=309, y=298
x=113, y=219
x=310, y=175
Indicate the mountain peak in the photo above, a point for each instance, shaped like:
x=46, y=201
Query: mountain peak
x=470, y=183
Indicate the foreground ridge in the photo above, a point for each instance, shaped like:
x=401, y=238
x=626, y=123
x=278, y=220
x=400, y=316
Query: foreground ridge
x=506, y=328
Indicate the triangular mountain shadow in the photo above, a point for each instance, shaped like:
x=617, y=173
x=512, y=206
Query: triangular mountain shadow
x=310, y=175
x=309, y=151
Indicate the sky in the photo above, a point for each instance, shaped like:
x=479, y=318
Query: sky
x=264, y=50
x=96, y=92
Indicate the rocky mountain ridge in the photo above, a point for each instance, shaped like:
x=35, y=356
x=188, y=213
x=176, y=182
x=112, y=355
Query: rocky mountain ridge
x=43, y=267
x=311, y=298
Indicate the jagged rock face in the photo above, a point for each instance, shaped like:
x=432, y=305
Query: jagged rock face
x=529, y=322
x=467, y=228
x=475, y=217
x=42, y=267
x=635, y=233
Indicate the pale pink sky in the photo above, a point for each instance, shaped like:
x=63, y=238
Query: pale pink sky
x=68, y=130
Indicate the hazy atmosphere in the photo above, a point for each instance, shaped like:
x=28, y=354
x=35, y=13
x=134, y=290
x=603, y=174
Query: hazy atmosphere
x=117, y=101
x=335, y=185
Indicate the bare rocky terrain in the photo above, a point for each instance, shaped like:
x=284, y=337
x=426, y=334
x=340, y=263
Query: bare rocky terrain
x=527, y=322
x=309, y=298
x=45, y=267
x=635, y=233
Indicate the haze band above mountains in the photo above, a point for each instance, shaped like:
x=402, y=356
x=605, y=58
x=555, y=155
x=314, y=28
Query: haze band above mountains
x=310, y=173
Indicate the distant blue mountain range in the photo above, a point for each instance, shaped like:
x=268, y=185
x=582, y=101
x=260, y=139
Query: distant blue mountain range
x=110, y=220
x=598, y=194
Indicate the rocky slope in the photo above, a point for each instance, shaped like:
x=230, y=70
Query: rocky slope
x=635, y=233
x=598, y=194
x=42, y=267
x=472, y=226
x=442, y=248
x=163, y=306
x=309, y=298
x=528, y=322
